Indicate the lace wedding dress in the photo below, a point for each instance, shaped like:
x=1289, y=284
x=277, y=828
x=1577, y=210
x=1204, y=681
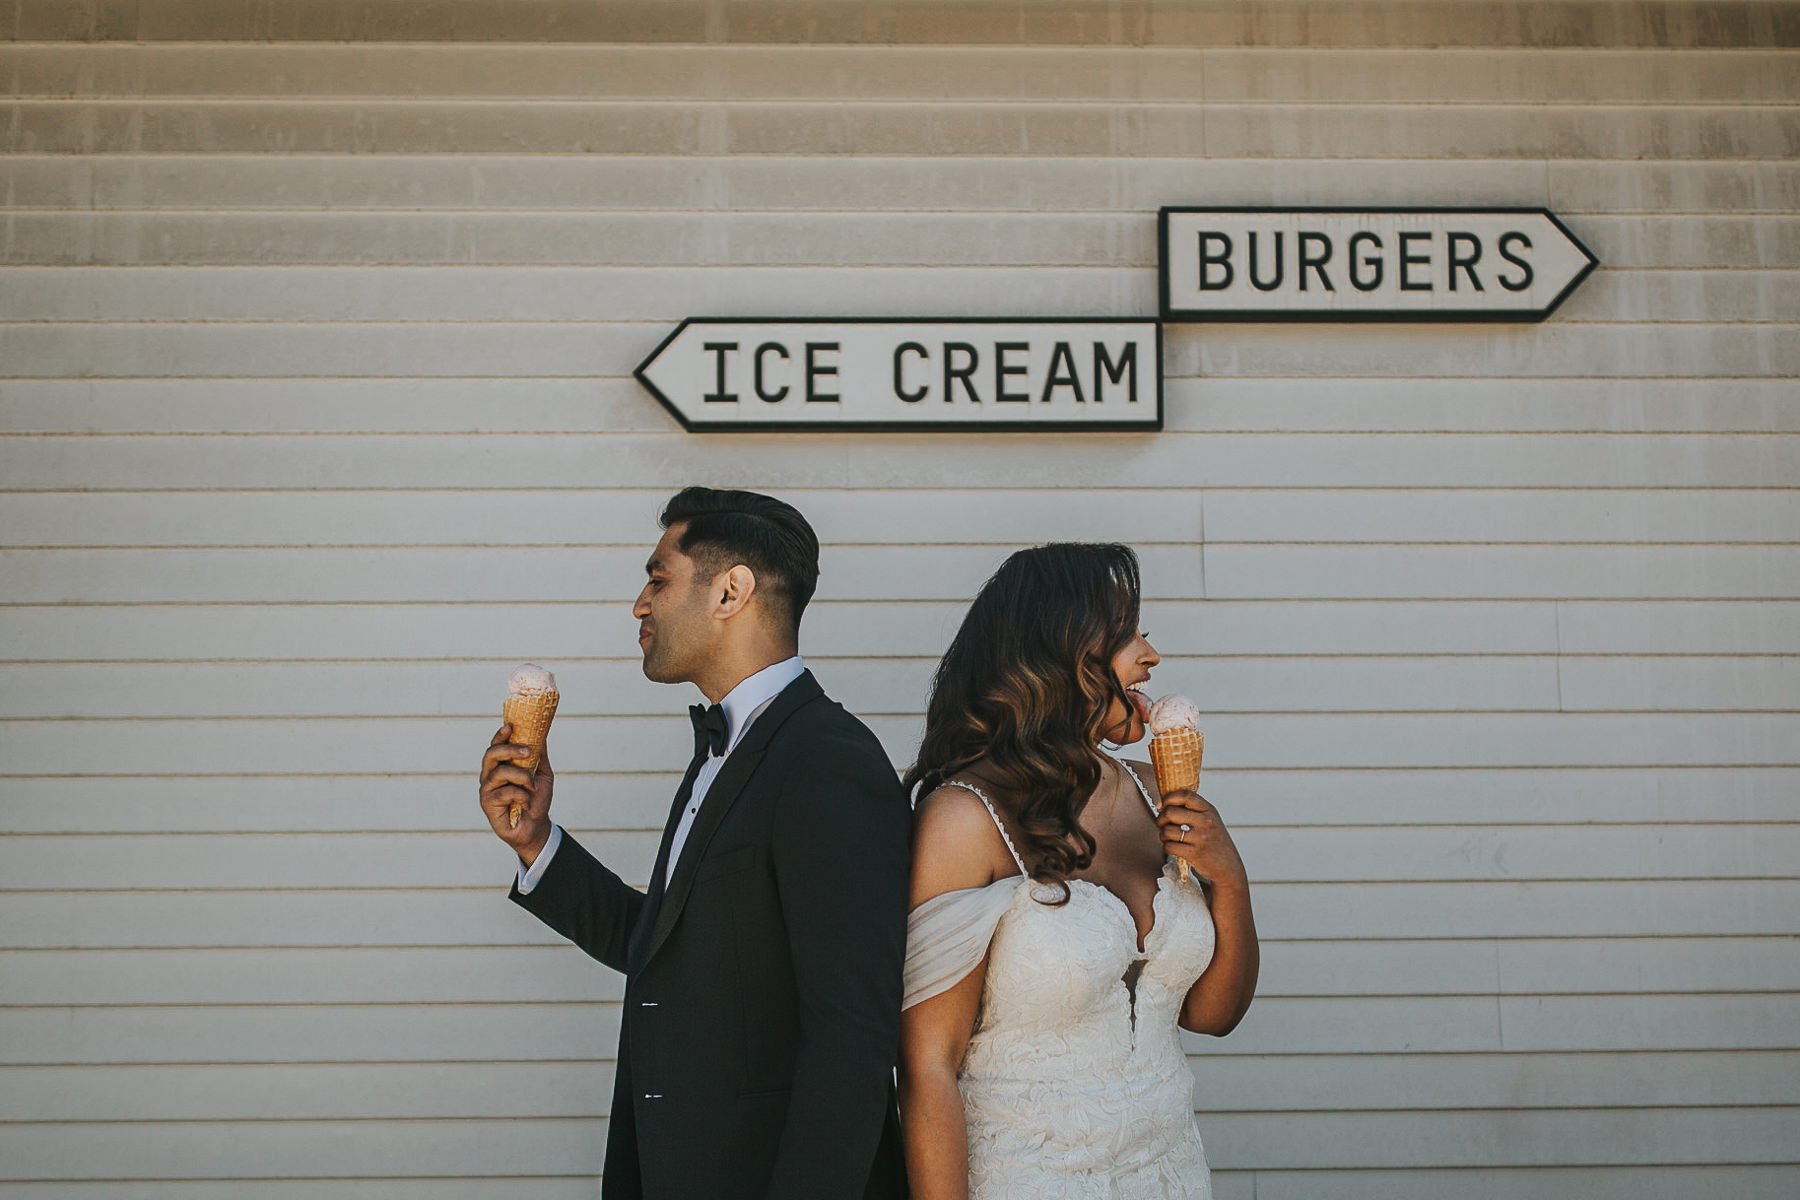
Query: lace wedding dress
x=1075, y=1086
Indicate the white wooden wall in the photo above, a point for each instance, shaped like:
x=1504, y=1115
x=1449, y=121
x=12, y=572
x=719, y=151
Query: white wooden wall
x=316, y=329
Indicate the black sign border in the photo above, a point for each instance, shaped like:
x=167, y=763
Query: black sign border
x=1409, y=316
x=674, y=410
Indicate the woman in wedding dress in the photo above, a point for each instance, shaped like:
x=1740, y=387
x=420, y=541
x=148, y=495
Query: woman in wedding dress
x=1053, y=948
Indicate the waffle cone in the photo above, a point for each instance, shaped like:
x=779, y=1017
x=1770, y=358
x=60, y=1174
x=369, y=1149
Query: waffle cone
x=1175, y=753
x=530, y=718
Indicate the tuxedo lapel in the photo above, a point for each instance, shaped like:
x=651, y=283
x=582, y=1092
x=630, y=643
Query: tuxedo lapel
x=668, y=835
x=660, y=872
x=740, y=764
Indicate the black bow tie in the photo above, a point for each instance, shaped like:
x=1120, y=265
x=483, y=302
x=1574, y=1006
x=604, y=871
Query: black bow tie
x=709, y=729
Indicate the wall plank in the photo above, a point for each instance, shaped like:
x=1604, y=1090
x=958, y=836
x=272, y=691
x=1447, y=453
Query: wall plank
x=486, y=574
x=1210, y=405
x=1653, y=186
x=1009, y=518
x=917, y=128
x=138, y=630
x=1611, y=1182
x=625, y=518
x=1573, y=24
x=458, y=917
x=302, y=1149
x=97, y=862
x=338, y=745
x=509, y=295
x=748, y=238
x=221, y=631
x=1599, y=1137
x=525, y=1187
x=866, y=685
x=1273, y=797
x=546, y=974
x=423, y=1091
x=664, y=462
x=831, y=74
x=310, y=1033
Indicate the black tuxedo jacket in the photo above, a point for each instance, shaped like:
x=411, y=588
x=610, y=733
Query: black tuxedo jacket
x=762, y=992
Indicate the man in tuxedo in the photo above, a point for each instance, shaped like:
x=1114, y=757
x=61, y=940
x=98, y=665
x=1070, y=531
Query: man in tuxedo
x=762, y=969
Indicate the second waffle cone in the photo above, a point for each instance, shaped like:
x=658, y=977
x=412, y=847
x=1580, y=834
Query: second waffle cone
x=530, y=718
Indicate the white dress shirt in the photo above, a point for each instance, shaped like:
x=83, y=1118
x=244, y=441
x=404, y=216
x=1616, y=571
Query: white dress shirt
x=742, y=705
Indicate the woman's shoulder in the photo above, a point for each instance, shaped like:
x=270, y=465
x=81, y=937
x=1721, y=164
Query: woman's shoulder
x=1146, y=775
x=956, y=843
x=952, y=816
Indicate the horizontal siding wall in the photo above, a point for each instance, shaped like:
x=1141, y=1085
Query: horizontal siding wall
x=317, y=324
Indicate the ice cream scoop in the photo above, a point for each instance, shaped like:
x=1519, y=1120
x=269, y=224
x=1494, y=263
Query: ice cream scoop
x=1174, y=712
x=529, y=679
x=1176, y=747
x=530, y=706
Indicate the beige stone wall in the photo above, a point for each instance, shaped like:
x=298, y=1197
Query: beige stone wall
x=316, y=330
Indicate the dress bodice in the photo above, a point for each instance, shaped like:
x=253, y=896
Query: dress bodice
x=1073, y=972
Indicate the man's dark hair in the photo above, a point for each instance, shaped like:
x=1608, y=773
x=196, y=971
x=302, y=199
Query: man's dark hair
x=725, y=528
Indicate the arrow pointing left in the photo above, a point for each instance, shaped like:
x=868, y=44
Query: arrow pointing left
x=913, y=374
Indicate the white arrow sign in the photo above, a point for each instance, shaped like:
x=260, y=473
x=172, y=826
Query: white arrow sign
x=1367, y=264
x=911, y=375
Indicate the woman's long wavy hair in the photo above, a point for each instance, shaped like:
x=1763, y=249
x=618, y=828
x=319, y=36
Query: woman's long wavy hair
x=1025, y=687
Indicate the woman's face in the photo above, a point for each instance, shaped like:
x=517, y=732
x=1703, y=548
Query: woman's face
x=1131, y=665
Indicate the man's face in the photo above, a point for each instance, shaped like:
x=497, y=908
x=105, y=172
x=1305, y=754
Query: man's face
x=675, y=625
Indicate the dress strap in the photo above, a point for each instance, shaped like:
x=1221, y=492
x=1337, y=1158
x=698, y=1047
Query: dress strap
x=998, y=823
x=1144, y=791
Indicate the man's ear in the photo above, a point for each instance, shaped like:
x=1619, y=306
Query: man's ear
x=733, y=590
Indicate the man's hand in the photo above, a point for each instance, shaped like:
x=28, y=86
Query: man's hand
x=505, y=783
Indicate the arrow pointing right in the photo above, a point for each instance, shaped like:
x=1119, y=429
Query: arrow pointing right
x=1367, y=264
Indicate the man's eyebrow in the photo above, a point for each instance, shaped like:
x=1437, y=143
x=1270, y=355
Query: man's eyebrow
x=653, y=566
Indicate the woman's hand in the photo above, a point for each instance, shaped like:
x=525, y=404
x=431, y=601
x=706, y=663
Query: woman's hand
x=1192, y=832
